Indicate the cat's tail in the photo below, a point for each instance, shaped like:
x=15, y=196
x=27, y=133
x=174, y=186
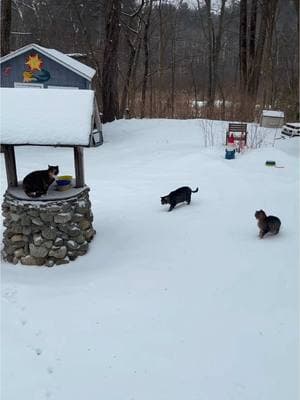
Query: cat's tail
x=195, y=191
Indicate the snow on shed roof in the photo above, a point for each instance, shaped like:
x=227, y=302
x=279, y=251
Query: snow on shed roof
x=68, y=62
x=272, y=113
x=46, y=117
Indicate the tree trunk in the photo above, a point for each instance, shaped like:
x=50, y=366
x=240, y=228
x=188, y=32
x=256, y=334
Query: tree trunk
x=296, y=4
x=173, y=76
x=124, y=97
x=252, y=34
x=194, y=88
x=132, y=32
x=270, y=49
x=110, y=62
x=146, y=62
x=133, y=83
x=161, y=54
x=243, y=45
x=216, y=50
x=210, y=89
x=5, y=23
x=214, y=46
x=88, y=42
x=269, y=8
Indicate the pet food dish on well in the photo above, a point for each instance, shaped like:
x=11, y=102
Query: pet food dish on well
x=63, y=182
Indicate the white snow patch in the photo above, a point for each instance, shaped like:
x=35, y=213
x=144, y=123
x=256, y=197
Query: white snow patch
x=189, y=304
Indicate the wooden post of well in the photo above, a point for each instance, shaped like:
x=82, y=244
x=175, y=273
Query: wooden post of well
x=98, y=121
x=10, y=165
x=79, y=168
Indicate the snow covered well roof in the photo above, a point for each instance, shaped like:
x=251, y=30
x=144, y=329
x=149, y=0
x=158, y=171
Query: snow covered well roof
x=68, y=62
x=272, y=113
x=54, y=117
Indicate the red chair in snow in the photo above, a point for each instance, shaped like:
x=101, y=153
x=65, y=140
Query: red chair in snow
x=237, y=134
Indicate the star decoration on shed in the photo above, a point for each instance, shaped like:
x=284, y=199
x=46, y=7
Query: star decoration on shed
x=34, y=62
x=27, y=76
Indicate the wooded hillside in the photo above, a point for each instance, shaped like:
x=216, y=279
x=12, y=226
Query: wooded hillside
x=226, y=59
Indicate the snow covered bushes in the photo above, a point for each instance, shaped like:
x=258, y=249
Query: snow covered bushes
x=259, y=136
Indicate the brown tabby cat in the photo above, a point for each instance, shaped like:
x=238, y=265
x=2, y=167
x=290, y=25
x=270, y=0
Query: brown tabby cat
x=37, y=182
x=267, y=224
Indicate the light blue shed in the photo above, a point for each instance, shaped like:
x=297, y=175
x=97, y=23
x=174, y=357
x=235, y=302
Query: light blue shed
x=37, y=67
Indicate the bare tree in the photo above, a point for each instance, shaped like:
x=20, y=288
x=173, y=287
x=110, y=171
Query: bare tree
x=5, y=26
x=296, y=4
x=211, y=34
x=146, y=58
x=243, y=44
x=187, y=54
x=110, y=98
x=162, y=47
x=132, y=30
x=173, y=55
x=252, y=36
x=88, y=42
x=214, y=37
x=268, y=12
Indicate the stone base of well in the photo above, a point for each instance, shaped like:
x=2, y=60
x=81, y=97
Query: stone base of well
x=47, y=232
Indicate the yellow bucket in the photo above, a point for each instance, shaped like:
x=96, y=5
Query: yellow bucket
x=64, y=178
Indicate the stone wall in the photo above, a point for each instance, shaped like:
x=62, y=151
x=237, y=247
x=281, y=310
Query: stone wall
x=48, y=232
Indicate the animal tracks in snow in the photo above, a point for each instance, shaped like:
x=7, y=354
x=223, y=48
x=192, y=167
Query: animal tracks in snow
x=34, y=336
x=10, y=295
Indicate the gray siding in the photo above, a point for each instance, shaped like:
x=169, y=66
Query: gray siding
x=12, y=71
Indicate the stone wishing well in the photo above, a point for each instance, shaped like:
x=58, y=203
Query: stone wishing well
x=49, y=232
x=57, y=227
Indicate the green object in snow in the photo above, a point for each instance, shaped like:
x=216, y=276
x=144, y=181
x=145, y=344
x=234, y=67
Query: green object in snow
x=270, y=163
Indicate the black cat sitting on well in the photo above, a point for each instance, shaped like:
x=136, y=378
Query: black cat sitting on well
x=37, y=183
x=178, y=196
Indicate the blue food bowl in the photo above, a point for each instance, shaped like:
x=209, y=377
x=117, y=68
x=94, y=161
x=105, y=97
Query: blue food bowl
x=63, y=182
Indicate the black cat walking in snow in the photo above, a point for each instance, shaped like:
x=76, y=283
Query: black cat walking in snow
x=37, y=183
x=178, y=196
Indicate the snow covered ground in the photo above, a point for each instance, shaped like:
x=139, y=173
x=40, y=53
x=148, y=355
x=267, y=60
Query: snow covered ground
x=187, y=305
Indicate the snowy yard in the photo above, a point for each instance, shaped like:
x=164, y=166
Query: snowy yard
x=187, y=305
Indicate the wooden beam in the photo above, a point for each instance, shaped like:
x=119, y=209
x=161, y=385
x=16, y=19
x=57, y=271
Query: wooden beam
x=98, y=120
x=10, y=165
x=79, y=167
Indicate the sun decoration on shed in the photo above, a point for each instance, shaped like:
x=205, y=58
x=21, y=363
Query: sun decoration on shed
x=34, y=71
x=34, y=62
